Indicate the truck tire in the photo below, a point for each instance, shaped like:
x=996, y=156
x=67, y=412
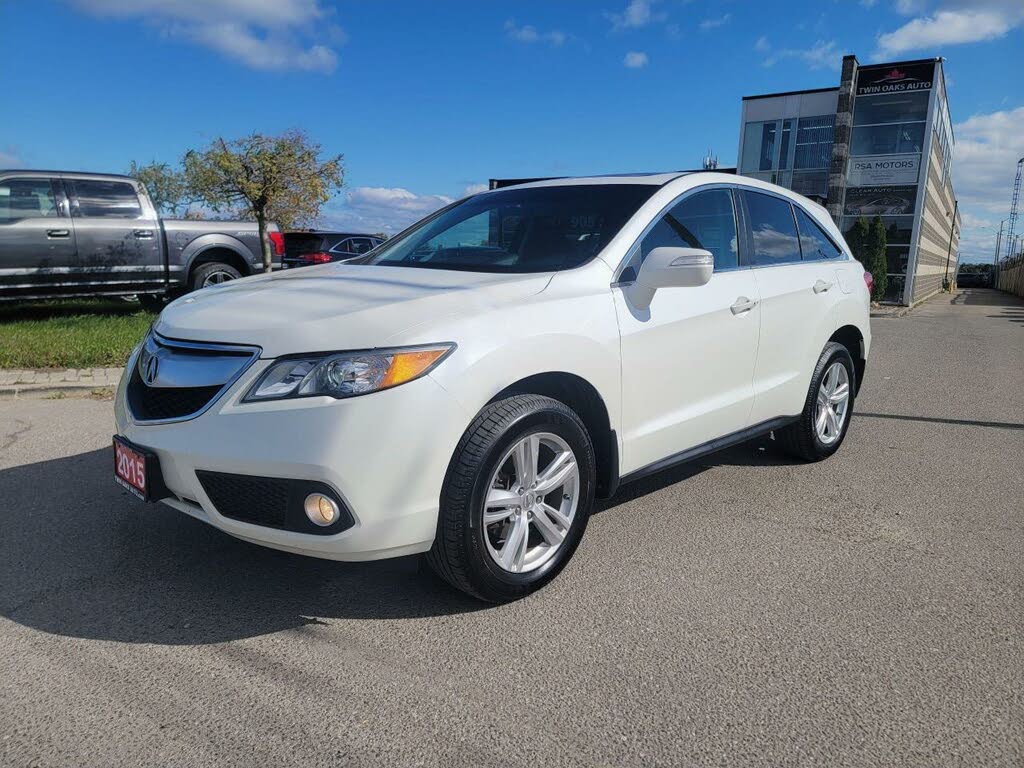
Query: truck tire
x=516, y=499
x=212, y=273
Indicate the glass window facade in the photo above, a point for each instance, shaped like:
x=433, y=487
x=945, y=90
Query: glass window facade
x=791, y=152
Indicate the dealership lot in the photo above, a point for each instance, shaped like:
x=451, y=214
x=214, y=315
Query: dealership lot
x=866, y=610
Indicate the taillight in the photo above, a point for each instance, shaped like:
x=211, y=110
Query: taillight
x=315, y=257
x=869, y=281
x=277, y=240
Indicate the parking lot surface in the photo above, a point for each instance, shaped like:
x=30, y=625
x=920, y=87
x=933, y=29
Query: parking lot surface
x=744, y=609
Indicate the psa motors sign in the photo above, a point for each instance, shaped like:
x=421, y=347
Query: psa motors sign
x=895, y=78
x=879, y=170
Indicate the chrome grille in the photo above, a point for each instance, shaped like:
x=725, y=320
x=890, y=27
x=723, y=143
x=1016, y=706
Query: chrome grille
x=177, y=380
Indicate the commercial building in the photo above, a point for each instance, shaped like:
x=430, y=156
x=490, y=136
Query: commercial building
x=880, y=144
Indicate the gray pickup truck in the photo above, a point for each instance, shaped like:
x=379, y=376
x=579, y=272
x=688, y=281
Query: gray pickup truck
x=87, y=234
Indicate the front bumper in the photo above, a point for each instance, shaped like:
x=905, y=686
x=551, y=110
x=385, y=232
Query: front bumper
x=385, y=454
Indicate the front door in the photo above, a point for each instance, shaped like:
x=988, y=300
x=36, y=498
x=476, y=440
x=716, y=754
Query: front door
x=118, y=236
x=688, y=360
x=37, y=239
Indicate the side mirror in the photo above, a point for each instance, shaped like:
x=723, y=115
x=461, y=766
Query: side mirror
x=671, y=267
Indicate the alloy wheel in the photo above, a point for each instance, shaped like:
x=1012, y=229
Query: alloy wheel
x=531, y=502
x=833, y=403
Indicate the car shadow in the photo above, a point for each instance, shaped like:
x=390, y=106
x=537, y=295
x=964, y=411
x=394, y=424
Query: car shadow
x=758, y=452
x=80, y=557
x=83, y=558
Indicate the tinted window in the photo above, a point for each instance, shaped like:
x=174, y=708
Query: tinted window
x=704, y=220
x=26, y=199
x=887, y=139
x=302, y=242
x=536, y=229
x=775, y=237
x=108, y=199
x=814, y=243
x=359, y=245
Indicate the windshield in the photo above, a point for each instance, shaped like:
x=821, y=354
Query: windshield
x=538, y=229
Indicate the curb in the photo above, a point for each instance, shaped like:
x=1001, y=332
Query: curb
x=17, y=391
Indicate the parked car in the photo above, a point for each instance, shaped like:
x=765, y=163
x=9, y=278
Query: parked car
x=307, y=247
x=86, y=234
x=471, y=386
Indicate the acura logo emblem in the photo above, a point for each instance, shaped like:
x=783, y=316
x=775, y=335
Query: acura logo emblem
x=152, y=366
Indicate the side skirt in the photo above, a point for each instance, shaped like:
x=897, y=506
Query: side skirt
x=709, y=447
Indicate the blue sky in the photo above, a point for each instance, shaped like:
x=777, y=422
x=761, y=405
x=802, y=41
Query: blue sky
x=429, y=100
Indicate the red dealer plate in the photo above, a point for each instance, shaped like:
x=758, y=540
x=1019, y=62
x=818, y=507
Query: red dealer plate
x=130, y=468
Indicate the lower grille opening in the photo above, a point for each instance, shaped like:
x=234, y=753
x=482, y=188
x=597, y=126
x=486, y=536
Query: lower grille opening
x=269, y=501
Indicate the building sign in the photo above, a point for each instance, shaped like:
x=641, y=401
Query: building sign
x=895, y=78
x=875, y=170
x=881, y=201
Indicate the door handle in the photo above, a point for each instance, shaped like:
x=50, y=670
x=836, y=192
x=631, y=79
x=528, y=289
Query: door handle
x=58, y=233
x=143, y=233
x=742, y=304
x=822, y=285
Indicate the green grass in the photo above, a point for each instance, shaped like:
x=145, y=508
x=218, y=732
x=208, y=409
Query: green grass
x=70, y=333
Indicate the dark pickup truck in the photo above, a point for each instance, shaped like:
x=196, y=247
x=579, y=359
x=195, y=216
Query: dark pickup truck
x=87, y=234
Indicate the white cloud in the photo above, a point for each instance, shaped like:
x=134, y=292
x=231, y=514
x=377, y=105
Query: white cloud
x=380, y=209
x=262, y=34
x=635, y=60
x=639, y=13
x=473, y=189
x=956, y=22
x=717, y=21
x=985, y=157
x=909, y=7
x=944, y=28
x=529, y=34
x=823, y=54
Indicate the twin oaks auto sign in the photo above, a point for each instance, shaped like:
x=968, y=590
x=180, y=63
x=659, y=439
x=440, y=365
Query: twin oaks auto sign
x=895, y=78
x=878, y=170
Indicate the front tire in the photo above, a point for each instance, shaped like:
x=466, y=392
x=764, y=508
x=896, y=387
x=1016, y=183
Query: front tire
x=825, y=419
x=516, y=499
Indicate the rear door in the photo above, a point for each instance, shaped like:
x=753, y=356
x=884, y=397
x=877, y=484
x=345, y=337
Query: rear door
x=118, y=235
x=794, y=308
x=688, y=360
x=37, y=239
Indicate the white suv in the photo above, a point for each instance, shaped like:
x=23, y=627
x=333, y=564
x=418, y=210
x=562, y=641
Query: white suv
x=472, y=385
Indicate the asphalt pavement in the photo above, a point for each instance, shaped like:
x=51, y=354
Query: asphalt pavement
x=743, y=610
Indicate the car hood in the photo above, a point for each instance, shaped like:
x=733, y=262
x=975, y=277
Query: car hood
x=337, y=306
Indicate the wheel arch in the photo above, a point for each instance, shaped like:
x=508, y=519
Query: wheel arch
x=219, y=253
x=850, y=336
x=584, y=398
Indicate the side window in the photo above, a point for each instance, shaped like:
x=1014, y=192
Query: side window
x=106, y=199
x=775, y=236
x=360, y=245
x=813, y=241
x=704, y=220
x=341, y=246
x=27, y=199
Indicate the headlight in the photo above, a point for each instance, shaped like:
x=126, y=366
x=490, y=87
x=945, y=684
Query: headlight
x=345, y=374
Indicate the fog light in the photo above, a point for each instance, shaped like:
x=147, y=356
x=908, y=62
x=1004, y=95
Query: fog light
x=322, y=510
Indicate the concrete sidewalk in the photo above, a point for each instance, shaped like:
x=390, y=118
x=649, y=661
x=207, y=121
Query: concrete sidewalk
x=15, y=381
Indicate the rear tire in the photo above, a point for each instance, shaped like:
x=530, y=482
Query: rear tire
x=822, y=426
x=484, y=478
x=212, y=273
